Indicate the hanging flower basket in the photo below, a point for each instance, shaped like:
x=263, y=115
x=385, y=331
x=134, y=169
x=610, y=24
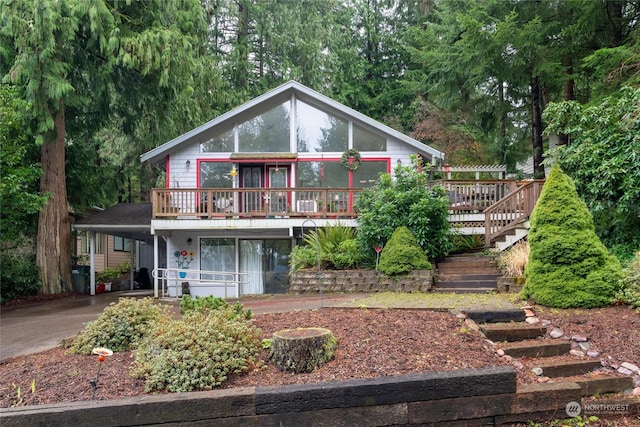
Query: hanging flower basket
x=351, y=159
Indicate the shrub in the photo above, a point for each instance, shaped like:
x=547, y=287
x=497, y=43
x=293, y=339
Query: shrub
x=568, y=265
x=402, y=254
x=335, y=244
x=189, y=305
x=513, y=261
x=461, y=243
x=630, y=292
x=112, y=273
x=121, y=326
x=346, y=255
x=404, y=200
x=18, y=275
x=198, y=352
x=303, y=257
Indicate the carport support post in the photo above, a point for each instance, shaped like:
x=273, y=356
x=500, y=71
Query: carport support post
x=92, y=262
x=155, y=266
x=131, y=260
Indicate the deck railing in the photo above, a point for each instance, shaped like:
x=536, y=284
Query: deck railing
x=498, y=204
x=474, y=196
x=254, y=202
x=512, y=209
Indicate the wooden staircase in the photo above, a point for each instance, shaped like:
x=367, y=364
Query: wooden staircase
x=530, y=348
x=467, y=274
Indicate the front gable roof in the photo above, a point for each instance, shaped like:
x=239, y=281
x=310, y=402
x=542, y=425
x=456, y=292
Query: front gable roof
x=271, y=99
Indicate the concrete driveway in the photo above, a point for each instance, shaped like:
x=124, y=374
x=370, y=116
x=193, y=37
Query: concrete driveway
x=42, y=326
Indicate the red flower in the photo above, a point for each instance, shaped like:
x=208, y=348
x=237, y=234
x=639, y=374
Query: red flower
x=183, y=253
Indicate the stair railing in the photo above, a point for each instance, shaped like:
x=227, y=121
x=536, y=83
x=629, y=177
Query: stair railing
x=511, y=210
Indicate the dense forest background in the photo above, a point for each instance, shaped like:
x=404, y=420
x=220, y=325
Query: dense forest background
x=89, y=85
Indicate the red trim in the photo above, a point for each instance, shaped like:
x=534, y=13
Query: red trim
x=167, y=167
x=266, y=160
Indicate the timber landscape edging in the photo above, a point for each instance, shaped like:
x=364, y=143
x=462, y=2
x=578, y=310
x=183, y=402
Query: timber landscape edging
x=486, y=395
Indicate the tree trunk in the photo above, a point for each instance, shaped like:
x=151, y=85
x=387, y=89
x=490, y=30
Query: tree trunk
x=569, y=91
x=536, y=128
x=53, y=252
x=303, y=349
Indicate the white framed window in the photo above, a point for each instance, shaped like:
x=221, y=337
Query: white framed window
x=120, y=244
x=85, y=240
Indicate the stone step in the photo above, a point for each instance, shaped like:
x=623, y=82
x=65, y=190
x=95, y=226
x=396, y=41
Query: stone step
x=512, y=331
x=537, y=349
x=463, y=290
x=495, y=315
x=567, y=368
x=468, y=283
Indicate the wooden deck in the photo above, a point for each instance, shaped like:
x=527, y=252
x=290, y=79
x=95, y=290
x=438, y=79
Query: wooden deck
x=491, y=205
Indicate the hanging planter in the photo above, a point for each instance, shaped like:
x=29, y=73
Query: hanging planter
x=351, y=159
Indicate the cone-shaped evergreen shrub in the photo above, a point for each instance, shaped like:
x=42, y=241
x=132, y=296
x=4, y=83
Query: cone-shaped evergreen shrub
x=568, y=265
x=402, y=254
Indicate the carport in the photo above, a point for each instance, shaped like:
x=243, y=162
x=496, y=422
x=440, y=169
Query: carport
x=126, y=220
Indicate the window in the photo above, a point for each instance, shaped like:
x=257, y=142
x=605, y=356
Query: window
x=85, y=241
x=363, y=140
x=219, y=144
x=319, y=132
x=368, y=173
x=267, y=132
x=322, y=174
x=215, y=175
x=120, y=244
x=217, y=255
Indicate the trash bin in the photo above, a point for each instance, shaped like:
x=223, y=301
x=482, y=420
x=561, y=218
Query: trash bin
x=80, y=277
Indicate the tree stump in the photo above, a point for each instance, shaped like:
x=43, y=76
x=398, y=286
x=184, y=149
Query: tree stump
x=303, y=349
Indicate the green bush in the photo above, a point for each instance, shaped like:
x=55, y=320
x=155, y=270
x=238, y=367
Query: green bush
x=405, y=200
x=461, y=243
x=630, y=292
x=112, y=273
x=402, y=254
x=189, y=305
x=335, y=244
x=303, y=257
x=346, y=255
x=18, y=275
x=198, y=352
x=121, y=326
x=568, y=265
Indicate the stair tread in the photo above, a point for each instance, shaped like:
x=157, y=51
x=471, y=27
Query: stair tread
x=566, y=368
x=512, y=331
x=463, y=290
x=537, y=348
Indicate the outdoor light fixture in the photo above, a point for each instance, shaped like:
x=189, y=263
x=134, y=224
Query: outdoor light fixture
x=188, y=163
x=399, y=162
x=189, y=240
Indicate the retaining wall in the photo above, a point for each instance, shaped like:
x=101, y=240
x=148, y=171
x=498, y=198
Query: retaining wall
x=361, y=281
x=476, y=397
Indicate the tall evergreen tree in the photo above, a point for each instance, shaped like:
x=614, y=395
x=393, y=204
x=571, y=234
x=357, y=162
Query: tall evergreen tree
x=70, y=54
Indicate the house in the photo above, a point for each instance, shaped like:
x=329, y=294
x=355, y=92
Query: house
x=241, y=188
